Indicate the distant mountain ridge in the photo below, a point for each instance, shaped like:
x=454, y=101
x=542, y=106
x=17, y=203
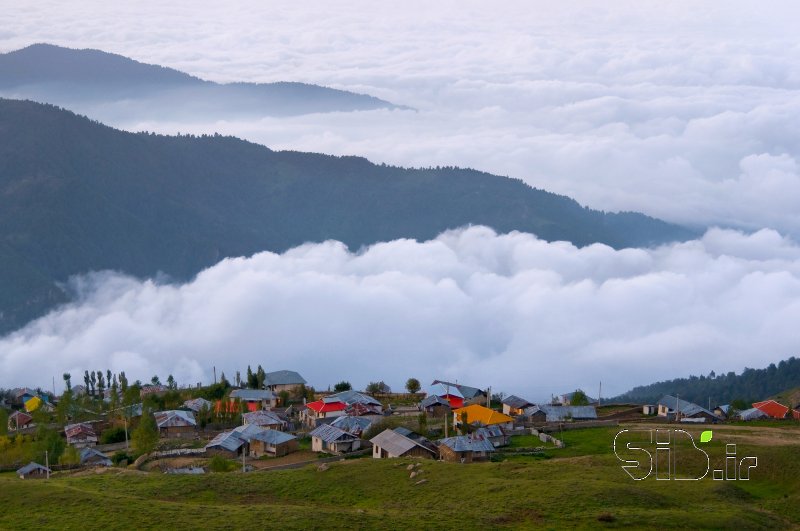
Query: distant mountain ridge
x=750, y=386
x=69, y=77
x=77, y=196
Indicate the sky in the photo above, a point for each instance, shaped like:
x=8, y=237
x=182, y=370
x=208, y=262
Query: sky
x=685, y=111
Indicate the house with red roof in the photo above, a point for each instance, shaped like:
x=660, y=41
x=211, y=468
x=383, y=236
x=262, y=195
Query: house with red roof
x=316, y=412
x=772, y=408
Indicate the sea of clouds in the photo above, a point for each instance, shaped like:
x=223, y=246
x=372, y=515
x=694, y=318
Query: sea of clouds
x=683, y=110
x=508, y=311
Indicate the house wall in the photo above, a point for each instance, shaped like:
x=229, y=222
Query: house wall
x=36, y=474
x=210, y=452
x=663, y=410
x=178, y=432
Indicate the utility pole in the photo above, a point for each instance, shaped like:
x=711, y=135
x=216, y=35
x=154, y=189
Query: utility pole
x=215, y=374
x=446, y=418
x=489, y=397
x=599, y=392
x=47, y=464
x=244, y=467
x=125, y=418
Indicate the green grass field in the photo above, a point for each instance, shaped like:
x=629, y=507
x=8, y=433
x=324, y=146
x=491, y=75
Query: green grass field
x=580, y=486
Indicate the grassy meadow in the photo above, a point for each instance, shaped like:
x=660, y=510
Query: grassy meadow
x=581, y=486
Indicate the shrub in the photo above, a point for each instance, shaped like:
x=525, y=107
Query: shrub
x=112, y=435
x=220, y=464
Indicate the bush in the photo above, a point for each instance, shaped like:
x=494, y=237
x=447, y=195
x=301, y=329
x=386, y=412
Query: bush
x=119, y=457
x=112, y=435
x=220, y=464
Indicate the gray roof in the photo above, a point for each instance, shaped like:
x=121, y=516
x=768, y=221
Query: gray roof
x=196, y=404
x=752, y=414
x=89, y=453
x=516, y=402
x=253, y=395
x=330, y=434
x=174, y=418
x=247, y=432
x=490, y=431
x=263, y=418
x=433, y=400
x=568, y=396
x=284, y=378
x=227, y=441
x=400, y=440
x=685, y=408
x=468, y=443
x=560, y=413
x=354, y=425
x=467, y=391
x=274, y=437
x=443, y=389
x=30, y=467
x=351, y=397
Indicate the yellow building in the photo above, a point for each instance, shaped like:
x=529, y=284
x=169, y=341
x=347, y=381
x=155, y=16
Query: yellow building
x=477, y=414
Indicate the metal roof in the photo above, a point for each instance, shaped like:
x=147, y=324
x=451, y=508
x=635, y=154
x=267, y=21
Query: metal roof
x=274, y=436
x=561, y=413
x=351, y=397
x=465, y=390
x=30, y=467
x=393, y=442
x=196, y=404
x=468, y=443
x=477, y=413
x=330, y=434
x=432, y=400
x=88, y=453
x=354, y=425
x=227, y=441
x=74, y=430
x=685, y=408
x=283, y=378
x=247, y=432
x=263, y=418
x=516, y=402
x=752, y=414
x=490, y=431
x=253, y=394
x=174, y=418
x=441, y=389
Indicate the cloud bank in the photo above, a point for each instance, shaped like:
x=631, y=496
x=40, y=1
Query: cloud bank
x=685, y=111
x=511, y=311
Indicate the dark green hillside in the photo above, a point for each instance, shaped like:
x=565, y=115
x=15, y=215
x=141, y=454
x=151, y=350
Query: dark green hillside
x=77, y=196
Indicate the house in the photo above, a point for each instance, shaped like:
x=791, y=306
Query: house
x=91, y=457
x=675, y=409
x=772, y=409
x=494, y=434
x=196, y=405
x=555, y=413
x=446, y=392
x=266, y=419
x=255, y=398
x=752, y=414
x=330, y=439
x=152, y=389
x=649, y=409
x=279, y=381
x=722, y=411
x=435, y=406
x=566, y=399
x=316, y=412
x=514, y=405
x=226, y=444
x=33, y=471
x=33, y=403
x=355, y=425
x=471, y=395
x=22, y=395
x=465, y=448
x=80, y=435
x=482, y=416
x=273, y=443
x=175, y=423
x=401, y=442
x=354, y=398
x=19, y=420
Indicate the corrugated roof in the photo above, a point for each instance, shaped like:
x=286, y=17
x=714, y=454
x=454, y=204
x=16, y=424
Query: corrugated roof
x=196, y=404
x=330, y=434
x=393, y=442
x=30, y=467
x=685, y=408
x=441, y=389
x=263, y=418
x=354, y=425
x=89, y=453
x=468, y=443
x=482, y=415
x=516, y=402
x=274, y=437
x=432, y=400
x=227, y=441
x=253, y=394
x=772, y=408
x=174, y=418
x=752, y=414
x=247, y=432
x=561, y=413
x=284, y=378
x=466, y=391
x=324, y=407
x=351, y=397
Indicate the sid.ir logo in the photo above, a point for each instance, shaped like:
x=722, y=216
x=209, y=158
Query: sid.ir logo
x=659, y=453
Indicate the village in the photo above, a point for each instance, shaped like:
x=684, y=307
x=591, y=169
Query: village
x=275, y=420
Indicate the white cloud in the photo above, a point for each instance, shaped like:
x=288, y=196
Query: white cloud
x=510, y=311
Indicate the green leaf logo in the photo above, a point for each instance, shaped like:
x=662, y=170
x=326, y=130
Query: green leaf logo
x=705, y=436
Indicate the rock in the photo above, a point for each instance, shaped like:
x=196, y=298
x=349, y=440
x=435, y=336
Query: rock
x=413, y=475
x=323, y=467
x=410, y=467
x=420, y=482
x=417, y=465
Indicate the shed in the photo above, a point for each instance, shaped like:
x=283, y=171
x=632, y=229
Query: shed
x=226, y=444
x=33, y=471
x=91, y=457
